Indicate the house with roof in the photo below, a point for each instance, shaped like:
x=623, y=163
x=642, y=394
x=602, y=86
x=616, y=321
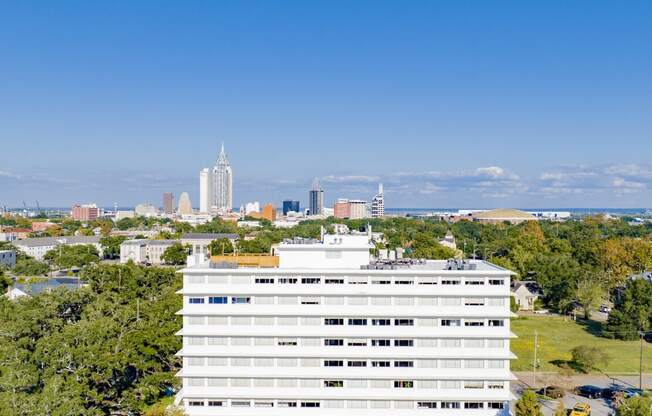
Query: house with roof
x=526, y=293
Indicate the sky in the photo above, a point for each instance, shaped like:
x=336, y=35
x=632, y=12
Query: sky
x=448, y=103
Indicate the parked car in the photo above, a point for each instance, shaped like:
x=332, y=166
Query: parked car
x=592, y=392
x=581, y=409
x=624, y=392
x=553, y=392
x=605, y=309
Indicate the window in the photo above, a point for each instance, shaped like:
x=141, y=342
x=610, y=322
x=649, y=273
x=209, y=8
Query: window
x=357, y=342
x=264, y=341
x=426, y=405
x=451, y=364
x=357, y=321
x=334, y=300
x=496, y=405
x=287, y=362
x=381, y=384
x=496, y=302
x=310, y=362
x=404, y=281
x=403, y=384
x=427, y=322
x=495, y=385
x=474, y=343
x=196, y=279
x=310, y=321
x=196, y=320
x=287, y=342
x=356, y=404
x=240, y=341
x=428, y=280
x=381, y=300
x=496, y=363
x=309, y=383
x=309, y=404
x=356, y=384
x=333, y=254
x=287, y=281
x=496, y=282
x=333, y=363
x=240, y=320
x=381, y=343
x=218, y=320
x=495, y=343
x=287, y=382
x=195, y=340
x=431, y=301
x=403, y=301
x=288, y=300
x=240, y=300
x=474, y=301
x=333, y=321
x=404, y=322
x=241, y=362
x=264, y=280
x=287, y=404
x=263, y=362
x=450, y=343
x=474, y=384
x=287, y=320
x=218, y=382
x=196, y=382
x=195, y=361
x=218, y=362
x=450, y=322
x=427, y=343
x=357, y=280
x=240, y=382
x=196, y=300
x=380, y=364
x=473, y=322
x=334, y=281
x=450, y=384
x=403, y=404
x=450, y=405
x=264, y=320
x=333, y=342
x=451, y=301
x=310, y=342
x=215, y=403
x=358, y=300
x=428, y=363
x=194, y=403
x=310, y=300
x=450, y=282
x=263, y=404
x=380, y=404
x=310, y=280
x=381, y=282
x=403, y=363
x=427, y=384
x=264, y=300
x=240, y=403
x=473, y=405
x=496, y=322
x=404, y=343
x=381, y=322
x=333, y=383
x=357, y=363
x=474, y=282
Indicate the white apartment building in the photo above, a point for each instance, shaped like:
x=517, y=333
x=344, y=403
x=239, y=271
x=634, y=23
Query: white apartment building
x=37, y=247
x=144, y=251
x=329, y=332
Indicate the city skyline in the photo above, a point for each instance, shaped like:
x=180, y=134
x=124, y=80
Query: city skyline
x=510, y=105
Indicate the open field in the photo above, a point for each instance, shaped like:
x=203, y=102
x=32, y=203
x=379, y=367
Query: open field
x=558, y=335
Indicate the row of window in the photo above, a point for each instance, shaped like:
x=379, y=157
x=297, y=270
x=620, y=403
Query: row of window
x=350, y=383
x=350, y=404
x=352, y=280
x=349, y=300
x=317, y=321
x=326, y=362
x=350, y=342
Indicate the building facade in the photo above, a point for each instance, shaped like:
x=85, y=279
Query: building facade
x=378, y=203
x=325, y=331
x=37, y=247
x=205, y=190
x=350, y=208
x=168, y=203
x=88, y=212
x=7, y=258
x=316, y=199
x=199, y=242
x=222, y=184
x=291, y=206
x=185, y=205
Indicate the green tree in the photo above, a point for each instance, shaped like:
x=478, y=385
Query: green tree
x=635, y=406
x=426, y=246
x=528, y=405
x=176, y=254
x=586, y=358
x=222, y=245
x=111, y=246
x=66, y=257
x=632, y=311
x=589, y=293
x=27, y=266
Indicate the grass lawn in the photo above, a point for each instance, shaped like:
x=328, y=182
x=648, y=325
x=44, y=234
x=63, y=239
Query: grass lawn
x=558, y=335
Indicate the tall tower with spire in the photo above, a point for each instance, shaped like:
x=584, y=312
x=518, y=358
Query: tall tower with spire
x=222, y=183
x=378, y=203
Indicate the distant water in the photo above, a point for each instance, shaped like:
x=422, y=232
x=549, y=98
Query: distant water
x=573, y=211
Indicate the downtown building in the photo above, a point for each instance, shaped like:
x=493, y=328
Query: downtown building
x=216, y=186
x=321, y=329
x=316, y=199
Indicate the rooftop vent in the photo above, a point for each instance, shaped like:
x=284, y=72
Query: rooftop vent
x=454, y=264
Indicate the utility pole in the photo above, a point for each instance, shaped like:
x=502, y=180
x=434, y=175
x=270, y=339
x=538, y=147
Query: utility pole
x=640, y=365
x=534, y=363
x=137, y=309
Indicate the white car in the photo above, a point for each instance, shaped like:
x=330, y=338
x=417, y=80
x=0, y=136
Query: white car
x=605, y=309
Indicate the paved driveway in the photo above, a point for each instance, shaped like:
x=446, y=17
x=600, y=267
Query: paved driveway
x=599, y=407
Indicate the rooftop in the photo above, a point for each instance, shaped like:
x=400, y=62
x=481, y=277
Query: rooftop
x=504, y=213
x=209, y=236
x=53, y=241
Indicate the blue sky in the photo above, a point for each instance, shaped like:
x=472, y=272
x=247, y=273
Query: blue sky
x=450, y=104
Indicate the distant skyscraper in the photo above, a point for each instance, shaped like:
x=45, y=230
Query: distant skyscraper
x=378, y=203
x=168, y=202
x=222, y=198
x=289, y=205
x=185, y=206
x=205, y=190
x=316, y=199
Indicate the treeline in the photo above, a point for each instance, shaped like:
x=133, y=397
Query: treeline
x=103, y=349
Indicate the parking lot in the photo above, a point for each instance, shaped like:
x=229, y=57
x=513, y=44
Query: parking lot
x=599, y=407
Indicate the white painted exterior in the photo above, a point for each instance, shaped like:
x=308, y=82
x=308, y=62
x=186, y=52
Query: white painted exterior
x=277, y=341
x=205, y=190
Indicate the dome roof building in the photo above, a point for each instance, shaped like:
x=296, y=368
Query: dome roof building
x=494, y=216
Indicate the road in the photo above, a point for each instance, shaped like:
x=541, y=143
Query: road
x=599, y=407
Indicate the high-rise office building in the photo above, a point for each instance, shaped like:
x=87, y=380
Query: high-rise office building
x=289, y=205
x=323, y=330
x=168, y=202
x=185, y=206
x=316, y=199
x=87, y=212
x=378, y=203
x=222, y=184
x=205, y=190
x=350, y=208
